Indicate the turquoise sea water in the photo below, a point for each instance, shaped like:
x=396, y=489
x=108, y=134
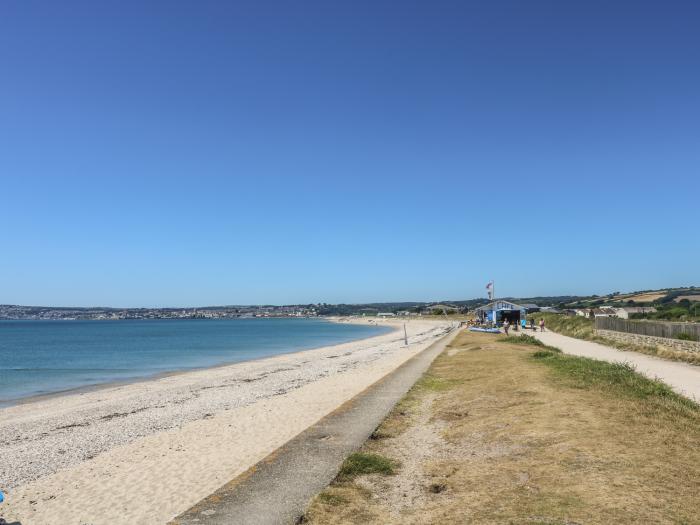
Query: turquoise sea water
x=42, y=357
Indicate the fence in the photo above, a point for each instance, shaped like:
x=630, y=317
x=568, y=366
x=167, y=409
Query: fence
x=650, y=328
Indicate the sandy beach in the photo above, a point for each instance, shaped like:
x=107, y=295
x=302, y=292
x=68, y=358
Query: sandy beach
x=147, y=451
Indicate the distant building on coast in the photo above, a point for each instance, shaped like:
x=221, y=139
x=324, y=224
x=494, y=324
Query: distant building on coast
x=441, y=308
x=626, y=311
x=531, y=308
x=591, y=313
x=498, y=312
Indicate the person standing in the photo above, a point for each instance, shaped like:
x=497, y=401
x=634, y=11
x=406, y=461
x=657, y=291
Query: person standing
x=506, y=326
x=542, y=325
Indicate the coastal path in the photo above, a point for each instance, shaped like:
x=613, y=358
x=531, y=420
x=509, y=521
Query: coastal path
x=684, y=378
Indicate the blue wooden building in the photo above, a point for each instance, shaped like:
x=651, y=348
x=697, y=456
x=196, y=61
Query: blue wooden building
x=497, y=312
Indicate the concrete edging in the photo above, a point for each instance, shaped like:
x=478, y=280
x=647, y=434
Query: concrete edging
x=277, y=490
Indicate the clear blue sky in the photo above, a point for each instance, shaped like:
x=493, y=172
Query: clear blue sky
x=196, y=153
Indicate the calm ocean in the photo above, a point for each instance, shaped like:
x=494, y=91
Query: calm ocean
x=41, y=357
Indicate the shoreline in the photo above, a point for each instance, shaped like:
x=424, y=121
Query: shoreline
x=79, y=390
x=278, y=488
x=94, y=451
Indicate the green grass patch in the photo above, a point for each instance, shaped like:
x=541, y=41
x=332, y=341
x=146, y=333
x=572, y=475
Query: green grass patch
x=621, y=378
x=361, y=463
x=573, y=326
x=522, y=340
x=532, y=341
x=583, y=328
x=434, y=383
x=543, y=354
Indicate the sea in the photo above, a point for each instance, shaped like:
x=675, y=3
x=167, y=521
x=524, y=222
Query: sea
x=46, y=357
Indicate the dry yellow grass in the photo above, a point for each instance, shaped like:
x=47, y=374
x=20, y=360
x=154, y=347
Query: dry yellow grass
x=491, y=435
x=646, y=297
x=688, y=297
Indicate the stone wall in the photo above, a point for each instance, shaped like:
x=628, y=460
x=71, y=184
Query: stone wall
x=648, y=340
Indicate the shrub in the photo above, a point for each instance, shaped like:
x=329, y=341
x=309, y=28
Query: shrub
x=361, y=463
x=522, y=340
x=543, y=354
x=573, y=326
x=686, y=337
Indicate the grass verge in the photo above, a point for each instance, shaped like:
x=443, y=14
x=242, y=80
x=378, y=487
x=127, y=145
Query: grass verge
x=619, y=378
x=584, y=328
x=502, y=431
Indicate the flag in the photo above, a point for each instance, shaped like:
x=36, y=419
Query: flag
x=489, y=287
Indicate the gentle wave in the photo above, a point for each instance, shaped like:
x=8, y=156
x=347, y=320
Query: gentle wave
x=40, y=357
x=2, y=369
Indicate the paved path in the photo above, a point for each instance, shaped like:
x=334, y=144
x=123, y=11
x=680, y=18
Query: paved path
x=277, y=490
x=682, y=377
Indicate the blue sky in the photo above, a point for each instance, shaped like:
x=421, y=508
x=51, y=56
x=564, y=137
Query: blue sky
x=196, y=153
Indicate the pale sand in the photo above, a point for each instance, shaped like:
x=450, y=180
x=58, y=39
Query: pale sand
x=145, y=452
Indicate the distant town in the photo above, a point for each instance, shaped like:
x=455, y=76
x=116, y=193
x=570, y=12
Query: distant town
x=14, y=312
x=670, y=303
x=17, y=312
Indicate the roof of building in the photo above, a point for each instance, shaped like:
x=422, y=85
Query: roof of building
x=605, y=310
x=553, y=310
x=441, y=306
x=497, y=305
x=637, y=309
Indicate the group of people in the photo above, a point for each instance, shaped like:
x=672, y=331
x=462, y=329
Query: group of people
x=506, y=325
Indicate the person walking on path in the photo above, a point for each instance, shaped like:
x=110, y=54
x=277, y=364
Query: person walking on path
x=506, y=326
x=542, y=325
x=532, y=324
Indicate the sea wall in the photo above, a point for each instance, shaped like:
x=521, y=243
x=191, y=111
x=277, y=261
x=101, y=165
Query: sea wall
x=648, y=340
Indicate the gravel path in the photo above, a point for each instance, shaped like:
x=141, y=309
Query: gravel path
x=682, y=377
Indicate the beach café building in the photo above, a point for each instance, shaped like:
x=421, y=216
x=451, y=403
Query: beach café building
x=498, y=311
